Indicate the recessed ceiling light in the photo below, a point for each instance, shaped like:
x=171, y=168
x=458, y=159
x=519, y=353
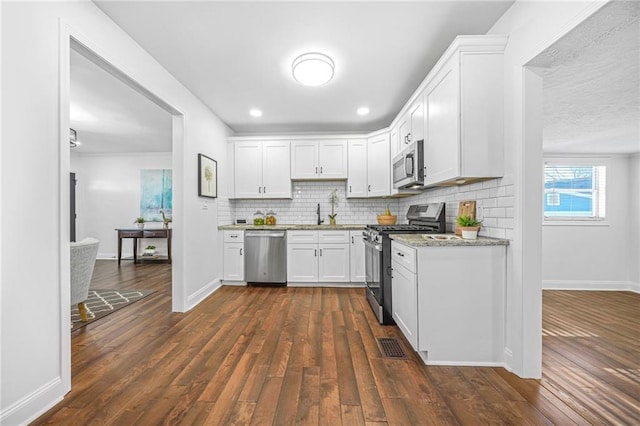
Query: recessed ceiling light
x=313, y=69
x=363, y=110
x=255, y=113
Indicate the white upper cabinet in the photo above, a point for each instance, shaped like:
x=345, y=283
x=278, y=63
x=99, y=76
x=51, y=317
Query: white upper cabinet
x=464, y=112
x=411, y=125
x=378, y=166
x=248, y=169
x=261, y=169
x=276, y=179
x=314, y=160
x=357, y=180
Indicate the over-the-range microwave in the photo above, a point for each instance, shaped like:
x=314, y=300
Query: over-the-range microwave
x=408, y=167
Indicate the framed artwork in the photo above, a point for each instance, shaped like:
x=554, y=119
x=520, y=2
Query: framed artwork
x=156, y=195
x=207, y=177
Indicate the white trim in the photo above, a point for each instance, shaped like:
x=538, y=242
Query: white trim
x=424, y=357
x=234, y=283
x=590, y=285
x=203, y=293
x=525, y=306
x=319, y=285
x=35, y=404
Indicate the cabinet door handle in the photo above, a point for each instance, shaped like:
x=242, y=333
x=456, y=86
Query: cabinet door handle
x=320, y=169
x=320, y=252
x=352, y=240
x=315, y=252
x=369, y=187
x=259, y=190
x=408, y=137
x=240, y=252
x=400, y=254
x=264, y=189
x=316, y=170
x=349, y=188
x=234, y=236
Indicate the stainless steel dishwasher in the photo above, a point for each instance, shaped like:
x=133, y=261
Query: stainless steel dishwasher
x=265, y=259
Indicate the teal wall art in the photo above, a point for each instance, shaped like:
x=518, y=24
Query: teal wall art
x=155, y=194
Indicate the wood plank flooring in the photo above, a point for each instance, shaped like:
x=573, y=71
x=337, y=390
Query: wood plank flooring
x=308, y=356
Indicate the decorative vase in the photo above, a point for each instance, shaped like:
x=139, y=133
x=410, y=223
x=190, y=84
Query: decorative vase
x=470, y=232
x=332, y=221
x=140, y=225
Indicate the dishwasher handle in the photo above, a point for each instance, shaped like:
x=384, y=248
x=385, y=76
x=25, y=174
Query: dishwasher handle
x=263, y=234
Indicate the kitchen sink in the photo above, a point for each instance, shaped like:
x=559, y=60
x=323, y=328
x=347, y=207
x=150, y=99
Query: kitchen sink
x=440, y=237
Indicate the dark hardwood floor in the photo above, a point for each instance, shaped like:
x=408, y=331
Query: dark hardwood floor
x=260, y=355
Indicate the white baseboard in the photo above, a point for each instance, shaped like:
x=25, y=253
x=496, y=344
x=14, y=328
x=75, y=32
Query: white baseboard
x=197, y=297
x=344, y=285
x=591, y=285
x=423, y=355
x=33, y=405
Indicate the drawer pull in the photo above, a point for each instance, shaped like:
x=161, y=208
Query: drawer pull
x=400, y=254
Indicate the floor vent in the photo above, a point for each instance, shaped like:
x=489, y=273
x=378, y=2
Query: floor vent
x=391, y=347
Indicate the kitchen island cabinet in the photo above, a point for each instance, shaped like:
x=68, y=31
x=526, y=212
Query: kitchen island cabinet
x=451, y=309
x=233, y=256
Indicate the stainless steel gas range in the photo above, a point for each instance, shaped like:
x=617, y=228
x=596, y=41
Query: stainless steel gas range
x=423, y=219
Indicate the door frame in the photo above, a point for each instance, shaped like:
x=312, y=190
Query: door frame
x=71, y=38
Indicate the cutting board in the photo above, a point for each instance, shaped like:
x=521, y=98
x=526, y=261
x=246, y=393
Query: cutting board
x=466, y=208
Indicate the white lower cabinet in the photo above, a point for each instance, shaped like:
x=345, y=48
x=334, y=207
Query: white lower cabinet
x=404, y=294
x=233, y=256
x=333, y=263
x=318, y=256
x=356, y=254
x=302, y=262
x=448, y=301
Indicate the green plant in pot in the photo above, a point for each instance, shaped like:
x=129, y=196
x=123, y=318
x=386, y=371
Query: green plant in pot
x=150, y=249
x=140, y=222
x=333, y=199
x=469, y=226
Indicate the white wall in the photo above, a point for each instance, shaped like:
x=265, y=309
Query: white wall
x=634, y=221
x=108, y=197
x=532, y=27
x=36, y=348
x=594, y=256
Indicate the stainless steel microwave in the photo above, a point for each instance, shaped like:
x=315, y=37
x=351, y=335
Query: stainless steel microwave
x=408, y=167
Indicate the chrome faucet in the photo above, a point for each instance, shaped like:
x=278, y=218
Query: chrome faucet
x=318, y=213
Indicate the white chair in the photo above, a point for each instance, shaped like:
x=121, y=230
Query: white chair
x=83, y=259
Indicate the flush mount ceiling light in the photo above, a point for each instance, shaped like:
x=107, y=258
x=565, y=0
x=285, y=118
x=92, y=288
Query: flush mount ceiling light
x=313, y=69
x=255, y=113
x=363, y=110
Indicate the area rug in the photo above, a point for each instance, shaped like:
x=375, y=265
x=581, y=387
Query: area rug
x=104, y=302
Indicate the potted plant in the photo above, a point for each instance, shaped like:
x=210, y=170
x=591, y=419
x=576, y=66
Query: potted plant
x=469, y=226
x=140, y=222
x=150, y=250
x=387, y=218
x=333, y=199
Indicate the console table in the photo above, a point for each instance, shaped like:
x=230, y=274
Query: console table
x=143, y=233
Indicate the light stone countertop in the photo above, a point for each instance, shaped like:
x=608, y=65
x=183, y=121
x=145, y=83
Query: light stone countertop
x=417, y=240
x=294, y=227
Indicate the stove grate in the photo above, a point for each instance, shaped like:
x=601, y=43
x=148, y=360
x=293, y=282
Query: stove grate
x=391, y=347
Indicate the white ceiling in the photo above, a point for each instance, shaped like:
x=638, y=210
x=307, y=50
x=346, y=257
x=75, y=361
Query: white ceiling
x=591, y=81
x=237, y=55
x=109, y=116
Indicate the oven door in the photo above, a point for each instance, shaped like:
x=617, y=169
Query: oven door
x=373, y=268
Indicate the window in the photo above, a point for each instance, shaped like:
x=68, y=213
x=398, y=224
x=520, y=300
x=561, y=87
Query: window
x=574, y=192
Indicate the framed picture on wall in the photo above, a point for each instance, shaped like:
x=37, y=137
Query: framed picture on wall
x=207, y=177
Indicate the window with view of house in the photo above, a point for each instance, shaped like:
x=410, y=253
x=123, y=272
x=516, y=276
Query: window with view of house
x=574, y=192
